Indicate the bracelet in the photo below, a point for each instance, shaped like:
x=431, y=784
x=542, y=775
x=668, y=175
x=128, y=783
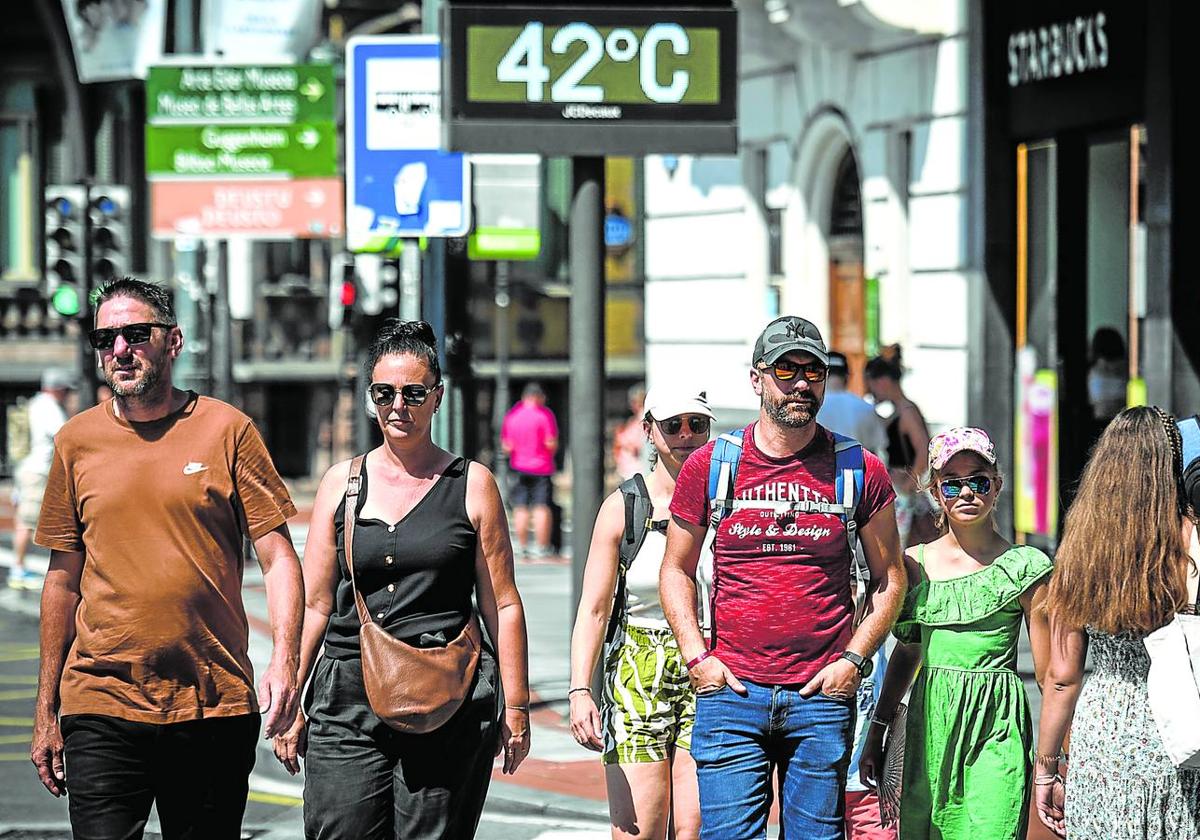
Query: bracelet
x=524, y=709
x=1042, y=781
x=580, y=688
x=878, y=721
x=694, y=662
x=1047, y=760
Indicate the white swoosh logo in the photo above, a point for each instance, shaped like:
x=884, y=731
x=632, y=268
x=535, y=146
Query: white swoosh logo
x=193, y=467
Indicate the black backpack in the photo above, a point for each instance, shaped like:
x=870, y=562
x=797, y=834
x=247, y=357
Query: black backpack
x=638, y=508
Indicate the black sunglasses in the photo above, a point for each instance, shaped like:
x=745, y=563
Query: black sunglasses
x=980, y=485
x=383, y=394
x=105, y=337
x=674, y=425
x=786, y=371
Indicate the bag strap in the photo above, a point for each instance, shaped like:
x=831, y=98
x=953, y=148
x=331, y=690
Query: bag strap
x=353, y=486
x=638, y=508
x=722, y=474
x=848, y=480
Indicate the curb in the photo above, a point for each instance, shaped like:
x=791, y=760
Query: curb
x=507, y=798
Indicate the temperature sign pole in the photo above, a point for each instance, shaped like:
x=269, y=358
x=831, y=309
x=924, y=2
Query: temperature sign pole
x=586, y=81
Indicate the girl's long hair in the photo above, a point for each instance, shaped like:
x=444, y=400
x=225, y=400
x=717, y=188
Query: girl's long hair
x=1122, y=565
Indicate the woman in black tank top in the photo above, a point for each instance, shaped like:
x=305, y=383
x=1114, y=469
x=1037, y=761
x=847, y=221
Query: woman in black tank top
x=430, y=533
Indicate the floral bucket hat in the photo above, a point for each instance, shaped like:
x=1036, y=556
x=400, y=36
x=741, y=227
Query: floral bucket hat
x=949, y=443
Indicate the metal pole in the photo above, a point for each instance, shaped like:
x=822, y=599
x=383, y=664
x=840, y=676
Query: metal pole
x=503, y=396
x=222, y=339
x=586, y=238
x=410, y=281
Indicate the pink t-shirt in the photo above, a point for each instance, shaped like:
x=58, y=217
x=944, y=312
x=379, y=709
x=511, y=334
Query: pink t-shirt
x=781, y=583
x=526, y=429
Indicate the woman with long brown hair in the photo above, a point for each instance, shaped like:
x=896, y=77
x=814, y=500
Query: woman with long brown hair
x=1121, y=572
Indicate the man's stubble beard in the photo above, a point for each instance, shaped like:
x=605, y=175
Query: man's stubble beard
x=779, y=412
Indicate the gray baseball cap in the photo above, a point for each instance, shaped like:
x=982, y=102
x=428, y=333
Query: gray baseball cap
x=786, y=334
x=59, y=378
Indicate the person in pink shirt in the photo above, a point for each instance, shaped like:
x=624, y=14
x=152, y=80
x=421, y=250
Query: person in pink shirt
x=529, y=436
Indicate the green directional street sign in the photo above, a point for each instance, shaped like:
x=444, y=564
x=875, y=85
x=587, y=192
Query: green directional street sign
x=305, y=149
x=245, y=94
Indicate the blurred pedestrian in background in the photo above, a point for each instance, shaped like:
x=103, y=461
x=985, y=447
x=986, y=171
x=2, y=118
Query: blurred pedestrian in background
x=46, y=412
x=429, y=533
x=1108, y=376
x=847, y=413
x=629, y=440
x=529, y=437
x=969, y=736
x=144, y=639
x=1122, y=571
x=907, y=441
x=644, y=724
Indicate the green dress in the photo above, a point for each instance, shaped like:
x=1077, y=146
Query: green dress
x=969, y=741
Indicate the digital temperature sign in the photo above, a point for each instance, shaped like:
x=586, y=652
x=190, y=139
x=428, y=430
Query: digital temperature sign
x=585, y=80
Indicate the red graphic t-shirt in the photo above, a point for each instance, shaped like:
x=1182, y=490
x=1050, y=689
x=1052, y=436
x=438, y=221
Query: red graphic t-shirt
x=781, y=583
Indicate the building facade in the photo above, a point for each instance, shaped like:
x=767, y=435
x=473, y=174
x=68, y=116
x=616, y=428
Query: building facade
x=848, y=203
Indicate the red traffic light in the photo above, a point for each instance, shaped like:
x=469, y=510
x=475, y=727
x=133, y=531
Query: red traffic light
x=349, y=293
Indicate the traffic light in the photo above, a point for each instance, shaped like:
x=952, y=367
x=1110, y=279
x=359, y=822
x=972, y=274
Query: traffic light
x=64, y=245
x=108, y=213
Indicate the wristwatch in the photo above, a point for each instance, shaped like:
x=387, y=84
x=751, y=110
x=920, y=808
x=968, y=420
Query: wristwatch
x=862, y=664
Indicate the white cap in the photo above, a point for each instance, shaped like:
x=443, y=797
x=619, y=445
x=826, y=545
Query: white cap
x=665, y=402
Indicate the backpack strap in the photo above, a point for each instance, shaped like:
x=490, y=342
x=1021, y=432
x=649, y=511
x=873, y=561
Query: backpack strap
x=722, y=473
x=1189, y=430
x=638, y=508
x=848, y=478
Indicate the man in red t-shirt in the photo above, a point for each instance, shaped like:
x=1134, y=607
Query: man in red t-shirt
x=777, y=686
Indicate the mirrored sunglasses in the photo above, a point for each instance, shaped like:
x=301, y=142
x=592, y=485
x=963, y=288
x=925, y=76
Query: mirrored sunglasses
x=383, y=394
x=674, y=425
x=785, y=371
x=980, y=485
x=105, y=337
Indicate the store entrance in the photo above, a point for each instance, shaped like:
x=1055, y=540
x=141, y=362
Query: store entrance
x=1080, y=308
x=847, y=293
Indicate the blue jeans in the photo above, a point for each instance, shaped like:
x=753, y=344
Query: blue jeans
x=738, y=740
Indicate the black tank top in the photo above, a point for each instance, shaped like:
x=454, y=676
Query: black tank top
x=417, y=576
x=900, y=451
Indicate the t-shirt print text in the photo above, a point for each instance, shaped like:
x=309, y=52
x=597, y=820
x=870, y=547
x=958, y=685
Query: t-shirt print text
x=777, y=518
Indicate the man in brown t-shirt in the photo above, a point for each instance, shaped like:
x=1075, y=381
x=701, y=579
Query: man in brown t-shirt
x=146, y=688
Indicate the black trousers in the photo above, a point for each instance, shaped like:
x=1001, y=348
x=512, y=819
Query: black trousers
x=365, y=781
x=197, y=772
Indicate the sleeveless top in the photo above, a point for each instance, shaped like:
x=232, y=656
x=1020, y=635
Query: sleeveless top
x=643, y=608
x=900, y=451
x=417, y=576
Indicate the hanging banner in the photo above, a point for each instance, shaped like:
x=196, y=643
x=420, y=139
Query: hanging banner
x=249, y=30
x=1036, y=462
x=114, y=39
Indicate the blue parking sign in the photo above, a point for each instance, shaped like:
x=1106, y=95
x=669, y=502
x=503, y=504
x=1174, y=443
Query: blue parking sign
x=398, y=182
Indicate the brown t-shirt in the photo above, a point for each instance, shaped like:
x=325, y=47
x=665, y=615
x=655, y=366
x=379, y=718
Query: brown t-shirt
x=160, y=509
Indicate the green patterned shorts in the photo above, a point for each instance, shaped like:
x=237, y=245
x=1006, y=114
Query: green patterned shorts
x=648, y=704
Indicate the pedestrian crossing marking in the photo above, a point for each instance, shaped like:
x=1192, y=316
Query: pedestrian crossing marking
x=274, y=799
x=18, y=694
x=14, y=647
x=20, y=656
x=21, y=756
x=16, y=721
x=16, y=739
x=18, y=679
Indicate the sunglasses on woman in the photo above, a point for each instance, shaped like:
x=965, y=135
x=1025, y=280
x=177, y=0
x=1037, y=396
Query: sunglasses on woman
x=105, y=337
x=980, y=485
x=786, y=371
x=674, y=425
x=383, y=394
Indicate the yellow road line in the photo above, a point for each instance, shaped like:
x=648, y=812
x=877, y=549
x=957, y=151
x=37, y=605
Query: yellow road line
x=16, y=739
x=16, y=721
x=19, y=694
x=18, y=679
x=270, y=798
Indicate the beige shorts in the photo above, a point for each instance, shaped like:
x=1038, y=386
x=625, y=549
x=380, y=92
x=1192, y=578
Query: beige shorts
x=31, y=486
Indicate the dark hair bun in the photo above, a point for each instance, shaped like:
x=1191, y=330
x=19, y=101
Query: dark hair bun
x=394, y=328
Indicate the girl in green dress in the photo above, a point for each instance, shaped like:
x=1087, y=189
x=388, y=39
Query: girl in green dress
x=969, y=738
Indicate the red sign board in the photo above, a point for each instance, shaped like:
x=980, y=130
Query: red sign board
x=265, y=209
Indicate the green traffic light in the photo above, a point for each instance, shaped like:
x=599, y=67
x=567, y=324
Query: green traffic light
x=65, y=301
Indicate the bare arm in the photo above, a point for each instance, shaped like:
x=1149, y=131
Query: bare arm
x=60, y=600
x=1037, y=622
x=677, y=591
x=885, y=597
x=285, y=608
x=501, y=608
x=591, y=619
x=320, y=588
x=1064, y=681
x=912, y=424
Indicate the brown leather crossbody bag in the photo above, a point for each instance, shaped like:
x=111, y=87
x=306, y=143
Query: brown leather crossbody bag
x=411, y=689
